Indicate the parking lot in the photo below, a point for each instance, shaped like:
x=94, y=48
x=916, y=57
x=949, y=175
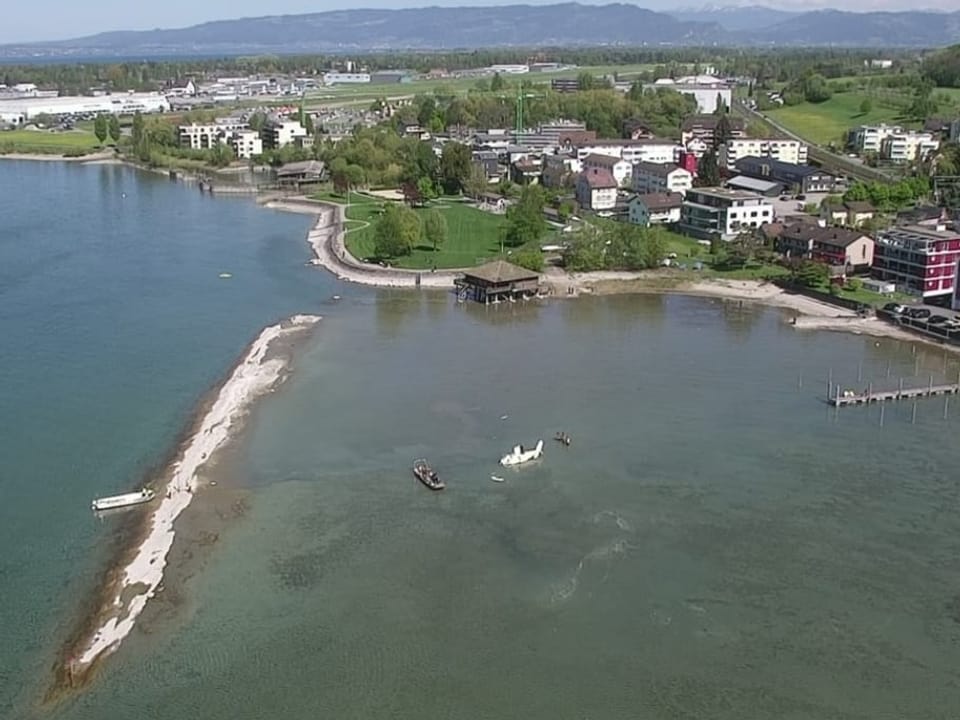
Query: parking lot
x=932, y=319
x=792, y=206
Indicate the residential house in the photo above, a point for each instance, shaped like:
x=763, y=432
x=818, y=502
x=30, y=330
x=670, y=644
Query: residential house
x=489, y=163
x=659, y=178
x=851, y=250
x=636, y=129
x=924, y=215
x=723, y=213
x=704, y=128
x=558, y=171
x=525, y=172
x=921, y=261
x=850, y=212
x=789, y=151
x=867, y=138
x=597, y=189
x=804, y=178
x=619, y=168
x=655, y=209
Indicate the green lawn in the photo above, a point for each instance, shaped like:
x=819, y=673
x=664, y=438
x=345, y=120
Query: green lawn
x=42, y=141
x=473, y=236
x=823, y=123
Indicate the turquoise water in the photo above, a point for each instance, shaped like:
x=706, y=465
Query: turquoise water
x=114, y=323
x=716, y=543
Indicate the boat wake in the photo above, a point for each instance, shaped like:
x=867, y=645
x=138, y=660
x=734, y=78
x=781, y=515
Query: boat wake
x=141, y=571
x=563, y=591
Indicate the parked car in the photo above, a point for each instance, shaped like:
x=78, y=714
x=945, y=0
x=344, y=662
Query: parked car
x=894, y=308
x=937, y=319
x=801, y=197
x=918, y=313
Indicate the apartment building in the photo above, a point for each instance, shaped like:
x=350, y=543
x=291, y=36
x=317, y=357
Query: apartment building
x=722, y=213
x=906, y=147
x=788, y=151
x=619, y=168
x=203, y=136
x=596, y=189
x=655, y=209
x=653, y=150
x=245, y=143
x=920, y=260
x=867, y=138
x=661, y=178
x=282, y=133
x=704, y=128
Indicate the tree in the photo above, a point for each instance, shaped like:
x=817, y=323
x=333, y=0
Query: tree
x=708, y=171
x=257, y=121
x=397, y=232
x=113, y=127
x=530, y=257
x=723, y=131
x=456, y=162
x=525, y=221
x=811, y=274
x=136, y=131
x=434, y=229
x=586, y=81
x=339, y=175
x=427, y=189
x=100, y=128
x=497, y=83
x=476, y=184
x=866, y=106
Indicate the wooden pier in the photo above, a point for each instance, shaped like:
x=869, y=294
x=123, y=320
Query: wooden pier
x=841, y=398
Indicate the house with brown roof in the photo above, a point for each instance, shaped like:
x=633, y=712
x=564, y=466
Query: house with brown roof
x=597, y=189
x=619, y=168
x=525, y=172
x=497, y=280
x=836, y=246
x=655, y=209
x=704, y=127
x=851, y=213
x=661, y=178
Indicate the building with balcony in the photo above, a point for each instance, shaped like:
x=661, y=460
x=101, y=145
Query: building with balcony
x=619, y=168
x=655, y=209
x=905, y=147
x=920, y=260
x=788, y=151
x=704, y=128
x=203, y=136
x=282, y=133
x=661, y=178
x=867, y=138
x=838, y=247
x=597, y=189
x=710, y=213
x=653, y=150
x=245, y=143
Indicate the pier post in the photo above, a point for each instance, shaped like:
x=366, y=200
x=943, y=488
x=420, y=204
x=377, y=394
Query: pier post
x=900, y=389
x=800, y=382
x=930, y=386
x=889, y=363
x=869, y=392
x=913, y=415
x=882, y=407
x=946, y=405
x=860, y=372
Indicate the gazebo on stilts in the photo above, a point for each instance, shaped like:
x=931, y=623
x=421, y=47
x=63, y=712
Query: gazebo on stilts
x=497, y=281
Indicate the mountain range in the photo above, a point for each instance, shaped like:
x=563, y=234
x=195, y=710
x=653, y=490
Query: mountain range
x=566, y=24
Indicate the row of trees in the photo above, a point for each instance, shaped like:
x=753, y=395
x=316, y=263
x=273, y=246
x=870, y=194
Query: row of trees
x=104, y=126
x=890, y=197
x=399, y=230
x=615, y=246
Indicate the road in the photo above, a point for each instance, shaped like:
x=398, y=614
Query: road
x=826, y=159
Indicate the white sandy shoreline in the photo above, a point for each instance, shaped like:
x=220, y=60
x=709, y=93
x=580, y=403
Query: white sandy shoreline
x=255, y=374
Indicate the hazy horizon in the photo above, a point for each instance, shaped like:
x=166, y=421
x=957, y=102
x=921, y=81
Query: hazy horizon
x=27, y=23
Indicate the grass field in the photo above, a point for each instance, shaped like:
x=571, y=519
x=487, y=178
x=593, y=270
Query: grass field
x=472, y=235
x=39, y=141
x=823, y=123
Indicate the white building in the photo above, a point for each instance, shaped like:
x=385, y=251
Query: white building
x=661, y=178
x=791, y=151
x=655, y=209
x=345, y=78
x=705, y=90
x=509, y=69
x=121, y=104
x=906, y=147
x=281, y=134
x=203, y=136
x=868, y=138
x=618, y=167
x=596, y=190
x=653, y=150
x=723, y=213
x=245, y=143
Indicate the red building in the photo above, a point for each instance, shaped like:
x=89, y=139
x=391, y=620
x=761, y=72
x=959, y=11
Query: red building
x=920, y=260
x=688, y=161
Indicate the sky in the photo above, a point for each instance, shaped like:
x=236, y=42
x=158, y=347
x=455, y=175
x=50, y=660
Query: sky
x=62, y=19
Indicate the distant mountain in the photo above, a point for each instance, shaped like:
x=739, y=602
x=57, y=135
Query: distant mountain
x=414, y=28
x=735, y=19
x=871, y=29
x=567, y=24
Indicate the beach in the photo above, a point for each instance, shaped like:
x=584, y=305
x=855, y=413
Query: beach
x=138, y=578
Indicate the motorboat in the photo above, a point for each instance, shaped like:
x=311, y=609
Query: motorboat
x=119, y=501
x=520, y=454
x=562, y=437
x=427, y=475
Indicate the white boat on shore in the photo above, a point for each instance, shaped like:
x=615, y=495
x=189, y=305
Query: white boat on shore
x=118, y=501
x=521, y=455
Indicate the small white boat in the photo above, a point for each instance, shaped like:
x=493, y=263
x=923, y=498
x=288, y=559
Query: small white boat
x=119, y=501
x=496, y=478
x=521, y=455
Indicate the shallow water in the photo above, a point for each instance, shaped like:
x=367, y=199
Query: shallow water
x=716, y=542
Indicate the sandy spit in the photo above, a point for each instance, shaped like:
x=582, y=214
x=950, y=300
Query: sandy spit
x=139, y=578
x=101, y=158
